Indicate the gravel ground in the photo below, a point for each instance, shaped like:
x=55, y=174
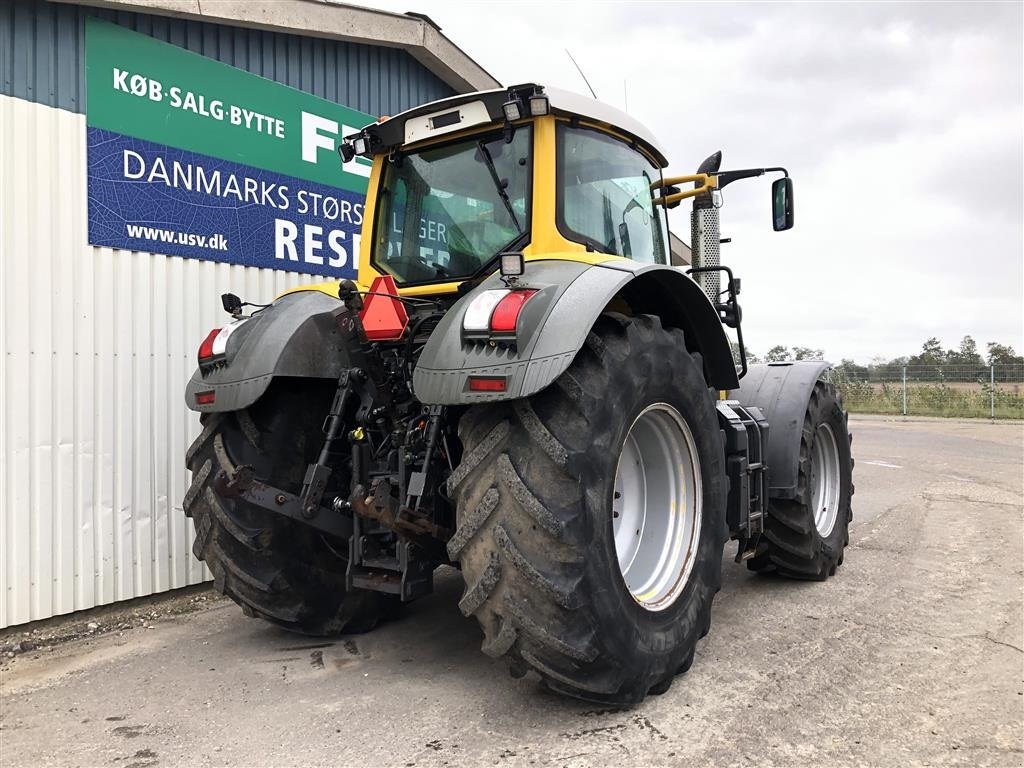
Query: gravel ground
x=912, y=655
x=44, y=636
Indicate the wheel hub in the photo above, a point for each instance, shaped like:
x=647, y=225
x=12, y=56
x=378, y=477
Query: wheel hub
x=825, y=479
x=656, y=506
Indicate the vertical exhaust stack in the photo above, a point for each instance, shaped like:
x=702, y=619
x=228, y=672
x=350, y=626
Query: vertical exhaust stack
x=705, y=236
x=705, y=233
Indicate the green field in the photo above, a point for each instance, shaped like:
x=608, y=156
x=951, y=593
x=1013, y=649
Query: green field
x=961, y=399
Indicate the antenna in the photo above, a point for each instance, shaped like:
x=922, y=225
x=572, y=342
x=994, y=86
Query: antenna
x=581, y=72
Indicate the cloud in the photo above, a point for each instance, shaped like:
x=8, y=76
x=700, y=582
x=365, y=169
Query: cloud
x=901, y=124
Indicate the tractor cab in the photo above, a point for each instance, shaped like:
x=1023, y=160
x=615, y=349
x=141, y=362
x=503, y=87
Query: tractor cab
x=542, y=172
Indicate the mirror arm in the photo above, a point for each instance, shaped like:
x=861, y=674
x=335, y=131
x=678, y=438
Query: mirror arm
x=704, y=178
x=728, y=177
x=668, y=200
x=707, y=183
x=671, y=181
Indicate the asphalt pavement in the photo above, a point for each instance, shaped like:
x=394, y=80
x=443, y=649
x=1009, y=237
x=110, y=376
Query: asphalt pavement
x=911, y=655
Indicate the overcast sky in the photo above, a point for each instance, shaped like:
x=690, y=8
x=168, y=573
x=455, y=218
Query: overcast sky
x=901, y=125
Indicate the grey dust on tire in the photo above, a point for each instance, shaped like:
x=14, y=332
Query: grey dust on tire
x=590, y=528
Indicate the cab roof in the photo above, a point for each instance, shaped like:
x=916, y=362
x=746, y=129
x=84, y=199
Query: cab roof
x=482, y=107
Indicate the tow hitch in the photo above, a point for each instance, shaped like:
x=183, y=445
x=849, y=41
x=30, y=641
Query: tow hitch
x=242, y=483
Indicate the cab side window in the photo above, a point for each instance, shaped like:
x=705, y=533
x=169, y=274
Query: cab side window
x=604, y=196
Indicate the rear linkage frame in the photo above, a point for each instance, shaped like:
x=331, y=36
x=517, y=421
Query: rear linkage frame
x=377, y=478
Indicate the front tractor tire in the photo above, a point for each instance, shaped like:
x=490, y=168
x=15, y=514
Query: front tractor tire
x=804, y=537
x=276, y=569
x=591, y=517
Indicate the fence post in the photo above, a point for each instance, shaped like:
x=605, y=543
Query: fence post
x=992, y=388
x=904, y=390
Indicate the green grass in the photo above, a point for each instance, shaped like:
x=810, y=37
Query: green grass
x=968, y=400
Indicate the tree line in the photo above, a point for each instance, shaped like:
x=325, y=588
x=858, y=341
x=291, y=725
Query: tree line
x=932, y=362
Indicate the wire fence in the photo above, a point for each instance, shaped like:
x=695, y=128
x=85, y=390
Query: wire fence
x=980, y=391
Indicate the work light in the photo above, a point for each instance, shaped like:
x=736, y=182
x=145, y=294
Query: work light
x=513, y=110
x=539, y=105
x=512, y=264
x=360, y=145
x=231, y=303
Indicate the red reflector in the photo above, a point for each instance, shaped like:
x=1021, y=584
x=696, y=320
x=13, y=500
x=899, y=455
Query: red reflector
x=384, y=318
x=486, y=383
x=205, y=398
x=506, y=314
x=206, y=348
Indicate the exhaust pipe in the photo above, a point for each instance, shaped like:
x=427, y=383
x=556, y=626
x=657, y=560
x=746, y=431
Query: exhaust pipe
x=705, y=234
x=704, y=244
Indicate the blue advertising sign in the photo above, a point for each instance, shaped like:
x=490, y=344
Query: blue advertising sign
x=154, y=198
x=190, y=157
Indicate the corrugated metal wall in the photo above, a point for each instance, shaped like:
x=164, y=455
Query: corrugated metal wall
x=96, y=344
x=42, y=49
x=97, y=347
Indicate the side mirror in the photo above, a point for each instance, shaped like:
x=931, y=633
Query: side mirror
x=782, y=204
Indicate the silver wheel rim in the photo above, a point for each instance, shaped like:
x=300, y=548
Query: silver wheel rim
x=656, y=507
x=825, y=479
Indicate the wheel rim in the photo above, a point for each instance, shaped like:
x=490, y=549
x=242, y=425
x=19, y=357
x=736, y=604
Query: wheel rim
x=825, y=479
x=656, y=507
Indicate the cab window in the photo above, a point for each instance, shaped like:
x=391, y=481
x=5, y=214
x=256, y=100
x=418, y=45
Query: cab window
x=446, y=212
x=604, y=196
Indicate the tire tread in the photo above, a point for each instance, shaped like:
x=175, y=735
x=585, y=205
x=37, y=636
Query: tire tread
x=791, y=545
x=523, y=534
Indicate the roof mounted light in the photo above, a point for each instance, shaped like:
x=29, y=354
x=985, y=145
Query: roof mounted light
x=358, y=144
x=513, y=109
x=539, y=105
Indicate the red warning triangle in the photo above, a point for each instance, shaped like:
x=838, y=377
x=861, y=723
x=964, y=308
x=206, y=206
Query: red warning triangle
x=384, y=317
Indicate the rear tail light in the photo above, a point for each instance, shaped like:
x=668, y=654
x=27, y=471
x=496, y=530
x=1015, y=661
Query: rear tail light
x=205, y=398
x=506, y=313
x=495, y=312
x=478, y=314
x=216, y=342
x=206, y=348
x=486, y=383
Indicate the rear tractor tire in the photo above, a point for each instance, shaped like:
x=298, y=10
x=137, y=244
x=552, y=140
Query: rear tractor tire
x=275, y=568
x=804, y=538
x=591, y=517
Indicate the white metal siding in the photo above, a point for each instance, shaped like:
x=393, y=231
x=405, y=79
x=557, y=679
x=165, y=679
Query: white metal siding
x=96, y=345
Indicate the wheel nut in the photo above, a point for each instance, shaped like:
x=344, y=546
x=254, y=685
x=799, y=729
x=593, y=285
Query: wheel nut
x=280, y=499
